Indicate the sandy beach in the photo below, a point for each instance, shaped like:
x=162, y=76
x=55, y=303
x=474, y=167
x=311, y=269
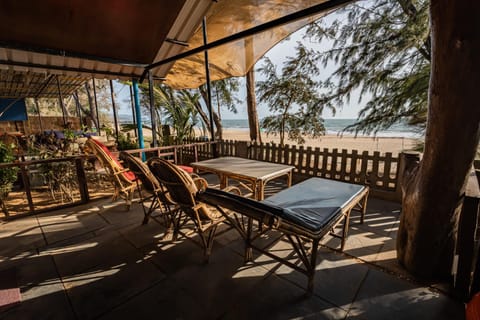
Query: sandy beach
x=394, y=145
x=361, y=143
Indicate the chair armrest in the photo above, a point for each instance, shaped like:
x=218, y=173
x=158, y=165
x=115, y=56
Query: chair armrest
x=233, y=189
x=200, y=183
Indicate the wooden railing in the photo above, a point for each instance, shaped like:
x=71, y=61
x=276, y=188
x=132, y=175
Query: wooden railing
x=70, y=169
x=379, y=171
x=77, y=184
x=181, y=154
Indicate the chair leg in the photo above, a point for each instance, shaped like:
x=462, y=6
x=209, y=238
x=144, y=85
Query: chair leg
x=346, y=224
x=208, y=241
x=248, y=239
x=129, y=199
x=312, y=267
x=364, y=209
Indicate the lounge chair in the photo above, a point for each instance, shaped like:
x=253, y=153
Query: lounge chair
x=183, y=189
x=302, y=214
x=157, y=193
x=124, y=181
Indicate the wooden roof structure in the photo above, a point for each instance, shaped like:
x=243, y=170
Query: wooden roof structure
x=14, y=84
x=123, y=39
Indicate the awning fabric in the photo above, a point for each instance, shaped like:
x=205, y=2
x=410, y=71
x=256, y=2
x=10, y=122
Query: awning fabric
x=236, y=59
x=117, y=39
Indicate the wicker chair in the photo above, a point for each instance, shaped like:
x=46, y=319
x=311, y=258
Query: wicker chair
x=183, y=190
x=157, y=194
x=124, y=181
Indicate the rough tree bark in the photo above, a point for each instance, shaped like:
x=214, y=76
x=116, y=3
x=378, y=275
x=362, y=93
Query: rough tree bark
x=252, y=108
x=433, y=190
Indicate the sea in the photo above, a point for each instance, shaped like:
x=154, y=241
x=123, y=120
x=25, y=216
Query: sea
x=332, y=126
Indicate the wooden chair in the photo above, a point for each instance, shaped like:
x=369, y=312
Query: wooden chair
x=124, y=181
x=183, y=190
x=157, y=194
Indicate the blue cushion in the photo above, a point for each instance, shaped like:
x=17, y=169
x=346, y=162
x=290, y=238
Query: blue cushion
x=314, y=203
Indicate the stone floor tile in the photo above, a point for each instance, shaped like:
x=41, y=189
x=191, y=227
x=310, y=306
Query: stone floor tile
x=287, y=302
x=165, y=300
x=383, y=296
x=43, y=295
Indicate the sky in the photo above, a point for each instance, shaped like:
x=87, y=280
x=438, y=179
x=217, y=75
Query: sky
x=277, y=55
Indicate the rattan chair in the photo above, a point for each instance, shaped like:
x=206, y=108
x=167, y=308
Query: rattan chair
x=157, y=194
x=124, y=181
x=183, y=190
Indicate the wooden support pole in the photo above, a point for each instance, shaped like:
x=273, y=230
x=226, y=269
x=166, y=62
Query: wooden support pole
x=134, y=116
x=115, y=120
x=96, y=104
x=38, y=113
x=62, y=105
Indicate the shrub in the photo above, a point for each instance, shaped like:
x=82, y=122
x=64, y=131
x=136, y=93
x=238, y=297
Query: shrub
x=7, y=175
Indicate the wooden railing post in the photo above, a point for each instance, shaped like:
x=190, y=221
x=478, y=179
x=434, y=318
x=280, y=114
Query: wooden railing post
x=241, y=149
x=407, y=160
x=26, y=185
x=82, y=180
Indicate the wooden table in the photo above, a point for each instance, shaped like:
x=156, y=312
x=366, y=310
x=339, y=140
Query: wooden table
x=256, y=173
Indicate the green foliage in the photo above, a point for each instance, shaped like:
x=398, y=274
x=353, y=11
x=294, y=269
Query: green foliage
x=7, y=175
x=381, y=48
x=292, y=97
x=223, y=94
x=125, y=143
x=180, y=110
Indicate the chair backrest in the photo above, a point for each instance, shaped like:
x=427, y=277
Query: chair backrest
x=179, y=184
x=109, y=162
x=141, y=170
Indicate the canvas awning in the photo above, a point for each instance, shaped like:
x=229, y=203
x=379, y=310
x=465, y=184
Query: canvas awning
x=238, y=57
x=117, y=39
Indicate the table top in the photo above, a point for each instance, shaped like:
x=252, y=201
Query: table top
x=259, y=170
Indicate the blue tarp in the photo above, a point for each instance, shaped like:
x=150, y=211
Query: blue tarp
x=16, y=111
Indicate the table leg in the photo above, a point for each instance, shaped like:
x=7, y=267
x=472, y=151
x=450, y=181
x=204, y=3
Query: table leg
x=223, y=181
x=289, y=179
x=261, y=191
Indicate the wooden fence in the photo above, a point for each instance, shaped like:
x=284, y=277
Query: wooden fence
x=379, y=171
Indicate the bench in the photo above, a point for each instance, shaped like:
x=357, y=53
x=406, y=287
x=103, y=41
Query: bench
x=302, y=214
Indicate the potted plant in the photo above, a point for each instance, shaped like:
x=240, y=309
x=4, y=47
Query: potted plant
x=7, y=175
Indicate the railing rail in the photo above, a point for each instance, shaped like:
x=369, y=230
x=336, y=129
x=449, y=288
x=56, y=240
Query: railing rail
x=379, y=171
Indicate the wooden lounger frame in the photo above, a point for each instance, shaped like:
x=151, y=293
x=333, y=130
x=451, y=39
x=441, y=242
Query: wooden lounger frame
x=304, y=242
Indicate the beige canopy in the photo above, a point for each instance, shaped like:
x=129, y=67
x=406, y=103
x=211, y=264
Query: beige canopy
x=237, y=58
x=118, y=39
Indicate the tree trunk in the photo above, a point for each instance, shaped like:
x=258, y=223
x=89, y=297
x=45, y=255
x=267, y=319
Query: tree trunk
x=91, y=104
x=203, y=115
x=218, y=124
x=433, y=190
x=252, y=107
x=216, y=118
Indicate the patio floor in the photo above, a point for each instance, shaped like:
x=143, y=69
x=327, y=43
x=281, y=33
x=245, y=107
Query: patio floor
x=98, y=262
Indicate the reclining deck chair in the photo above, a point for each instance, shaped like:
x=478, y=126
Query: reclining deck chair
x=183, y=189
x=124, y=181
x=302, y=214
x=158, y=194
